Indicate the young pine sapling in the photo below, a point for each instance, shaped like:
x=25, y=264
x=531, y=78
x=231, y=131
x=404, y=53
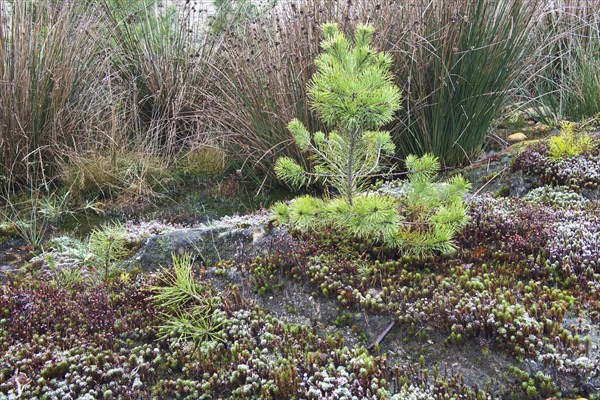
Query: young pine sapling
x=353, y=93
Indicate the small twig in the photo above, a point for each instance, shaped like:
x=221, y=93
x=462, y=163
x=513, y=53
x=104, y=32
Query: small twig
x=491, y=179
x=381, y=336
x=420, y=330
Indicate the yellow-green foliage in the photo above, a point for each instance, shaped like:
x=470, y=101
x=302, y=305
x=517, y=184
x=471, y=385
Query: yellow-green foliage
x=353, y=92
x=568, y=143
x=128, y=174
x=433, y=212
x=90, y=174
x=203, y=162
x=422, y=220
x=190, y=311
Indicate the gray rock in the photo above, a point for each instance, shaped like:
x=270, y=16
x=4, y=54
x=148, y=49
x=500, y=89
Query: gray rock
x=13, y=255
x=238, y=239
x=520, y=184
x=298, y=303
x=591, y=194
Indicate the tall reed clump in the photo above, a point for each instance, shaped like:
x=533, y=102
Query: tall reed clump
x=566, y=73
x=157, y=57
x=231, y=14
x=456, y=61
x=48, y=58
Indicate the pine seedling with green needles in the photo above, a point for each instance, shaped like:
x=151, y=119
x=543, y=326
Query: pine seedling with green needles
x=190, y=311
x=198, y=325
x=354, y=94
x=434, y=211
x=306, y=212
x=178, y=285
x=420, y=244
x=107, y=245
x=375, y=217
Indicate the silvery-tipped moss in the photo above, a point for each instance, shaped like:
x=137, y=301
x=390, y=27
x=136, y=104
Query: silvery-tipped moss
x=557, y=196
x=410, y=392
x=354, y=94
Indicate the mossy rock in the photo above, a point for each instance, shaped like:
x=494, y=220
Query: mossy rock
x=220, y=241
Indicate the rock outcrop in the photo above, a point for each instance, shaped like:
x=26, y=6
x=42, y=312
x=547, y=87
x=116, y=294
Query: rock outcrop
x=230, y=238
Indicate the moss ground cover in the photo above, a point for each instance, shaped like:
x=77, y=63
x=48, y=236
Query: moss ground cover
x=523, y=285
x=102, y=342
x=580, y=172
